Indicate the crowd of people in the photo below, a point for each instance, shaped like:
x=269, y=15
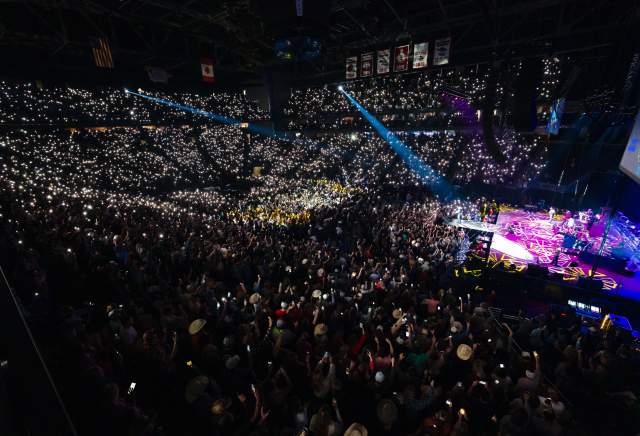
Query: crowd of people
x=317, y=297
x=167, y=158
x=408, y=102
x=33, y=103
x=175, y=321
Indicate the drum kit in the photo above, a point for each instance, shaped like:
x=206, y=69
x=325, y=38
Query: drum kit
x=575, y=232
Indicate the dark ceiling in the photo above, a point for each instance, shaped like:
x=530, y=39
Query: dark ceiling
x=49, y=39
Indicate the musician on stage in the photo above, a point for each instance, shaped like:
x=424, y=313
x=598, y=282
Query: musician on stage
x=590, y=218
x=552, y=213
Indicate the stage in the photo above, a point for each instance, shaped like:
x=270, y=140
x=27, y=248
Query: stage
x=521, y=237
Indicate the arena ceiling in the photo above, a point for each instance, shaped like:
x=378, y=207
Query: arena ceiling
x=50, y=39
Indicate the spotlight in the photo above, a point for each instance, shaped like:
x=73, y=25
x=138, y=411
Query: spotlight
x=126, y=91
x=340, y=88
x=139, y=89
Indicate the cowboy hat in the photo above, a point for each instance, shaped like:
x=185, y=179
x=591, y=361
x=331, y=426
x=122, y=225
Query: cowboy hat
x=320, y=329
x=464, y=352
x=356, y=429
x=197, y=325
x=254, y=298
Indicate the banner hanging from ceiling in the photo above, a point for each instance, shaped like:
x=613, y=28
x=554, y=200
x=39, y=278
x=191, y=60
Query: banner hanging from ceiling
x=352, y=67
x=366, y=64
x=441, y=52
x=383, y=61
x=401, y=58
x=420, y=55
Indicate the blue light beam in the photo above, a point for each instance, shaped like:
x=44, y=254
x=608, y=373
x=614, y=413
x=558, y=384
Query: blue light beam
x=216, y=117
x=431, y=178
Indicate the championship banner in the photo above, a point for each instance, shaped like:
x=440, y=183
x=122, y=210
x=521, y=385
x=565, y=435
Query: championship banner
x=420, y=55
x=352, y=67
x=383, y=61
x=441, y=51
x=366, y=64
x=401, y=58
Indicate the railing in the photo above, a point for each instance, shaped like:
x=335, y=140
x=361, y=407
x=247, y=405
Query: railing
x=518, y=348
x=35, y=399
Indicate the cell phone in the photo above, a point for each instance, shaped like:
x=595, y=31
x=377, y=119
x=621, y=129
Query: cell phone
x=189, y=363
x=449, y=403
x=482, y=382
x=132, y=387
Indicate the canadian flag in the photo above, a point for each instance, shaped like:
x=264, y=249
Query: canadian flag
x=206, y=65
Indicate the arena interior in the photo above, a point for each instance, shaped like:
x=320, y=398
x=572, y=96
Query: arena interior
x=320, y=217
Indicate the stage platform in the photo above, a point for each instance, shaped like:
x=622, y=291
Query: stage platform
x=521, y=237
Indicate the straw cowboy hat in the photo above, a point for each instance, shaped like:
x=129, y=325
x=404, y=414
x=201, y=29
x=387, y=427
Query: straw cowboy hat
x=254, y=298
x=320, y=329
x=464, y=352
x=356, y=429
x=197, y=325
